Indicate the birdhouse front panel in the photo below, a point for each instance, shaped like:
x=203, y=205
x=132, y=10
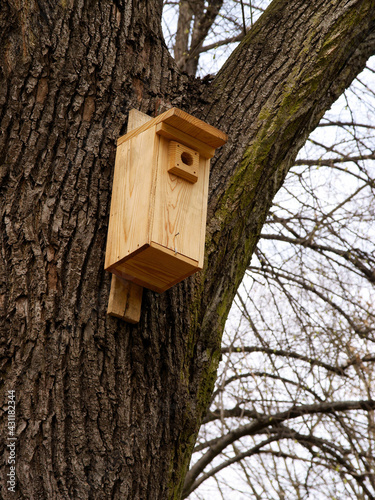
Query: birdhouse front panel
x=179, y=218
x=158, y=211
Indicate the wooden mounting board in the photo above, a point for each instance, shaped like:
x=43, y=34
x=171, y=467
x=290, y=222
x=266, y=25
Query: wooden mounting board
x=125, y=300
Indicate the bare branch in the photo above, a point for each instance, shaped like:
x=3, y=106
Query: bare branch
x=285, y=353
x=216, y=446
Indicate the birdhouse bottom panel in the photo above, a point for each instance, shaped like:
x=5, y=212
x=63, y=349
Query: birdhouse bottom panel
x=155, y=267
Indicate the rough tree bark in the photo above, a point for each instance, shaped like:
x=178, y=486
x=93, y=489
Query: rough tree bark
x=106, y=409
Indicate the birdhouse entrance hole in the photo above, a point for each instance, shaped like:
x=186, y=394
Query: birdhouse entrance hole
x=186, y=158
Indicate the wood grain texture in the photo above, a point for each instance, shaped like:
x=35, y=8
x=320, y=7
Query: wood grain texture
x=125, y=300
x=131, y=206
x=152, y=207
x=186, y=123
x=180, y=208
x=157, y=268
x=174, y=134
x=183, y=161
x=125, y=297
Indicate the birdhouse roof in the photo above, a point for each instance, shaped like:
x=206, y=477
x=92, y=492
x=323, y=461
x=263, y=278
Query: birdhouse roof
x=185, y=123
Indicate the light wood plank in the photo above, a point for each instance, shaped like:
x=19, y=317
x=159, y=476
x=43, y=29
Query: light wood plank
x=157, y=226
x=137, y=119
x=183, y=161
x=186, y=123
x=204, y=165
x=131, y=204
x=180, y=208
x=158, y=268
x=125, y=298
x=173, y=134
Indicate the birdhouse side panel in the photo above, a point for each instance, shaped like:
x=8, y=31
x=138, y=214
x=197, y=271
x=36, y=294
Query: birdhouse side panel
x=180, y=208
x=135, y=169
x=204, y=165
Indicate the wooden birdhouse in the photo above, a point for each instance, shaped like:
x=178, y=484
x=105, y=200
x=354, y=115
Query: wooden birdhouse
x=157, y=222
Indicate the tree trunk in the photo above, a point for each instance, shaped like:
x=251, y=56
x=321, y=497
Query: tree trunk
x=106, y=409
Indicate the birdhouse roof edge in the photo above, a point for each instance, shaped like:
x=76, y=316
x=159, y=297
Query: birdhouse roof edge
x=185, y=122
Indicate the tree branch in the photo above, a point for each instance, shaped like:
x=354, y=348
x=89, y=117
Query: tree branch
x=210, y=415
x=216, y=446
x=252, y=166
x=287, y=354
x=348, y=255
